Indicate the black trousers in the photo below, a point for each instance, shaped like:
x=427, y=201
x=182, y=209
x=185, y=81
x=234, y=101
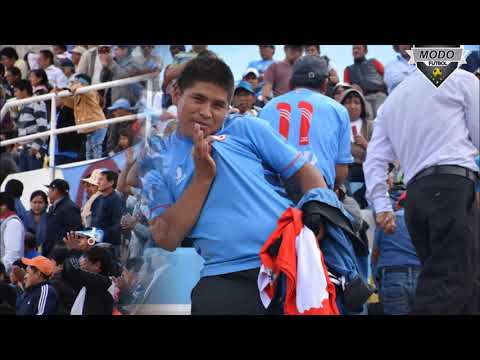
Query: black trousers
x=229, y=294
x=442, y=219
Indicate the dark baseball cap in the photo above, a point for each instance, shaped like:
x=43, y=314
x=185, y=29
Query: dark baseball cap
x=309, y=68
x=67, y=63
x=59, y=184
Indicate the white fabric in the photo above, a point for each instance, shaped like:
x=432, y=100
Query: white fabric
x=13, y=242
x=172, y=109
x=32, y=59
x=112, y=288
x=43, y=299
x=262, y=282
x=358, y=124
x=312, y=283
x=311, y=277
x=65, y=55
x=97, y=70
x=157, y=101
x=423, y=126
x=77, y=308
x=56, y=77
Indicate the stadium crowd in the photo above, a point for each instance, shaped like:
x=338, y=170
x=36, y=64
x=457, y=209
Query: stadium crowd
x=90, y=258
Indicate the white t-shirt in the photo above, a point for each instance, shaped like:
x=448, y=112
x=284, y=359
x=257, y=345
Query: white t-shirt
x=56, y=77
x=97, y=70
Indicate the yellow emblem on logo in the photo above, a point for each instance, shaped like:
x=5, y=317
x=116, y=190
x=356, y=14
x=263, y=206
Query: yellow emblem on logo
x=437, y=72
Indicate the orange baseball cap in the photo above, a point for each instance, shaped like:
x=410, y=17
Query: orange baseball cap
x=44, y=265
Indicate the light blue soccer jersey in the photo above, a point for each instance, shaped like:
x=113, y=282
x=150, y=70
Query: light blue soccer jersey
x=242, y=208
x=260, y=65
x=316, y=125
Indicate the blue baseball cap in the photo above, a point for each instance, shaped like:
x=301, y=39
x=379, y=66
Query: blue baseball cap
x=120, y=104
x=245, y=85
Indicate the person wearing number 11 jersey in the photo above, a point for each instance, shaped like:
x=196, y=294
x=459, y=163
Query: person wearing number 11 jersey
x=315, y=124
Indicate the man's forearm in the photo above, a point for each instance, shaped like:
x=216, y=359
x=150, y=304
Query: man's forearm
x=181, y=217
x=309, y=177
x=122, y=185
x=267, y=89
x=341, y=173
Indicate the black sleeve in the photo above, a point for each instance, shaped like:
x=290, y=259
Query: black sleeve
x=79, y=278
x=117, y=211
x=72, y=219
x=126, y=297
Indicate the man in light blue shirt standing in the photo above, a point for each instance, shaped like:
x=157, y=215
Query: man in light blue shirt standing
x=206, y=182
x=399, y=68
x=266, y=53
x=315, y=124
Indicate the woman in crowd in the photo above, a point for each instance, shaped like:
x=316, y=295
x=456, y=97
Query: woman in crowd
x=362, y=130
x=39, y=81
x=36, y=218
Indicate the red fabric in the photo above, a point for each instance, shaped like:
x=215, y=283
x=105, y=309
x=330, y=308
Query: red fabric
x=289, y=226
x=7, y=214
x=378, y=65
x=346, y=76
x=135, y=127
x=115, y=312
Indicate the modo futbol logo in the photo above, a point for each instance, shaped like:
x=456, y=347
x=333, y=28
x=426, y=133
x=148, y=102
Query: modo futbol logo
x=437, y=62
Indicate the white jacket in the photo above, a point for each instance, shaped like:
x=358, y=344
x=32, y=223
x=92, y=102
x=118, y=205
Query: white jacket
x=12, y=235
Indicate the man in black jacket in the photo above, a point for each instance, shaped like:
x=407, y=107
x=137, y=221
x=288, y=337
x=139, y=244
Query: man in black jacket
x=90, y=274
x=63, y=215
x=8, y=296
x=107, y=210
x=66, y=293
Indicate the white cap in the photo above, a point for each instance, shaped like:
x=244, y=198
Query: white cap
x=251, y=70
x=78, y=49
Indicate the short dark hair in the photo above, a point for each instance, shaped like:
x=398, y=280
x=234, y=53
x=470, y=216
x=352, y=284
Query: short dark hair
x=59, y=253
x=316, y=47
x=207, y=69
x=30, y=240
x=48, y=55
x=64, y=47
x=178, y=47
x=39, y=193
x=23, y=85
x=42, y=75
x=102, y=255
x=134, y=264
x=364, y=46
x=15, y=71
x=9, y=52
x=8, y=200
x=14, y=187
x=2, y=269
x=111, y=176
x=294, y=47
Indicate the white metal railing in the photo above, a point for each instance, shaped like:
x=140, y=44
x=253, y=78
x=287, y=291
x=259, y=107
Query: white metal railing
x=53, y=115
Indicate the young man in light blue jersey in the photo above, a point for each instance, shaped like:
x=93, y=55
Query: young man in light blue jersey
x=315, y=124
x=206, y=182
